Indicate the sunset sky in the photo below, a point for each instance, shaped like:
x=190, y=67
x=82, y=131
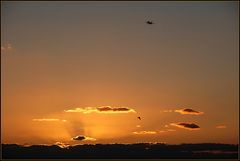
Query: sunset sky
x=83, y=72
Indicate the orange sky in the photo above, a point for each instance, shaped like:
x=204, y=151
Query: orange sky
x=82, y=72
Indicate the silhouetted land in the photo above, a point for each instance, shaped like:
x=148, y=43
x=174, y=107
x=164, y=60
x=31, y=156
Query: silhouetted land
x=122, y=151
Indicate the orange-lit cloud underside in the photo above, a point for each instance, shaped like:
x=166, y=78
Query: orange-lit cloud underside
x=103, y=109
x=188, y=111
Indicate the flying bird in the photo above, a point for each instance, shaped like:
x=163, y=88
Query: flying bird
x=139, y=118
x=150, y=22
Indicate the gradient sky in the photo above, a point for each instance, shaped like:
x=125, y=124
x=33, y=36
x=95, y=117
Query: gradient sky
x=59, y=56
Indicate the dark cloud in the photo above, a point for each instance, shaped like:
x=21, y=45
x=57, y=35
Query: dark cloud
x=192, y=125
x=81, y=138
x=103, y=109
x=109, y=108
x=188, y=126
x=189, y=111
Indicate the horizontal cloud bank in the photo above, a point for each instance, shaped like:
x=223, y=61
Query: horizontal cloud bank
x=83, y=138
x=48, y=119
x=188, y=111
x=144, y=132
x=221, y=126
x=184, y=125
x=103, y=109
x=168, y=130
x=152, y=132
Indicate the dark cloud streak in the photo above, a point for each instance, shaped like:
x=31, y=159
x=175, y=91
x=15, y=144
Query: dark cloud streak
x=188, y=126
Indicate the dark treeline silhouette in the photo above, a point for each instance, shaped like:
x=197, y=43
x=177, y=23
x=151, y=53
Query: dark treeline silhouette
x=122, y=151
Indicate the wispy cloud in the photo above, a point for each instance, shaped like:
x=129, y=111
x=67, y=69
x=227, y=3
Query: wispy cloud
x=62, y=145
x=167, y=111
x=221, y=126
x=188, y=111
x=83, y=138
x=6, y=47
x=188, y=126
x=48, y=119
x=162, y=131
x=153, y=132
x=144, y=132
x=103, y=109
x=167, y=130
